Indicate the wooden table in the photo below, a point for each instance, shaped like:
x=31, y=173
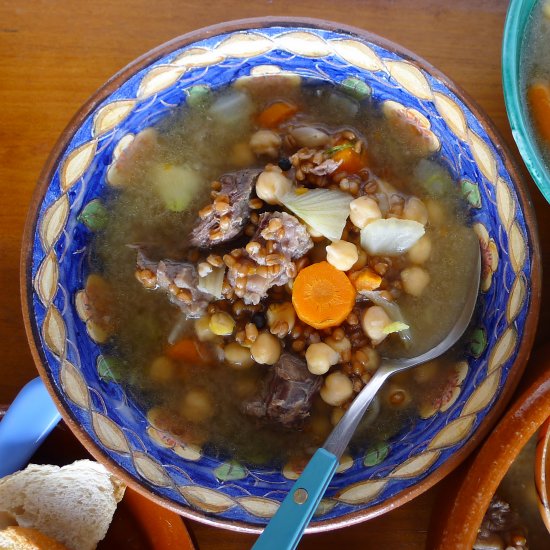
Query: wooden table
x=54, y=54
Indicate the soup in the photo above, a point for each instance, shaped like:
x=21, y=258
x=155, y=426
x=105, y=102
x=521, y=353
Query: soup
x=266, y=245
x=513, y=519
x=536, y=74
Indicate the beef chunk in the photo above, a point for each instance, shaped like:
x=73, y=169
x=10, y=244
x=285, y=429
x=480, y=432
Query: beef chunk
x=287, y=394
x=289, y=236
x=229, y=212
x=279, y=239
x=178, y=279
x=501, y=527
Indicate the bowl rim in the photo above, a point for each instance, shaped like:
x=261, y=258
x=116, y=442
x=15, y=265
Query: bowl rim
x=517, y=116
x=542, y=472
x=455, y=524
x=26, y=287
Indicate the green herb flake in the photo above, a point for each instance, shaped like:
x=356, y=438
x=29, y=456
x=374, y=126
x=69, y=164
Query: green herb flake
x=199, y=95
x=338, y=148
x=94, y=215
x=230, y=471
x=470, y=191
x=110, y=369
x=478, y=342
x=376, y=454
x=356, y=88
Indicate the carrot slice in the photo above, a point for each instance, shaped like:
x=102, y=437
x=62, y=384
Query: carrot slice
x=276, y=113
x=538, y=96
x=365, y=279
x=189, y=351
x=351, y=161
x=322, y=295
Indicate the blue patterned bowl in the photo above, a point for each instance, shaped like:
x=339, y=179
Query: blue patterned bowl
x=67, y=344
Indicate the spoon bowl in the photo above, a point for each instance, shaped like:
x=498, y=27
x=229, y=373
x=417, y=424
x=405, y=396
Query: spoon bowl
x=286, y=527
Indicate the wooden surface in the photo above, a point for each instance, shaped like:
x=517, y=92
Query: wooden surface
x=54, y=54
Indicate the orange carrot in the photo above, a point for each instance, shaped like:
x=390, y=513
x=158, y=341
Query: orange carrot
x=276, y=113
x=188, y=350
x=322, y=295
x=365, y=279
x=351, y=161
x=538, y=96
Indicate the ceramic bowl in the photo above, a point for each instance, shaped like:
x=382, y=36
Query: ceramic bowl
x=517, y=22
x=542, y=472
x=63, y=217
x=462, y=504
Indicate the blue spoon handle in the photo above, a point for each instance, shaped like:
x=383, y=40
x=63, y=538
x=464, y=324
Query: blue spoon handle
x=285, y=528
x=28, y=421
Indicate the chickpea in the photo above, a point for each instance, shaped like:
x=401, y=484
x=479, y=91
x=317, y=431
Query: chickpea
x=361, y=260
x=368, y=357
x=320, y=357
x=342, y=255
x=281, y=313
x=364, y=210
x=265, y=142
x=162, y=369
x=308, y=136
x=420, y=252
x=426, y=372
x=266, y=349
x=398, y=397
x=373, y=321
x=222, y=324
x=416, y=210
x=415, y=280
x=337, y=389
x=336, y=415
x=202, y=329
x=238, y=356
x=272, y=185
x=320, y=426
x=436, y=214
x=197, y=405
x=342, y=347
x=241, y=155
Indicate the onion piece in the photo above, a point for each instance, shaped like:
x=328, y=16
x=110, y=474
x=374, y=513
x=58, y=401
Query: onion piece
x=393, y=311
x=390, y=236
x=325, y=210
x=233, y=107
x=177, y=186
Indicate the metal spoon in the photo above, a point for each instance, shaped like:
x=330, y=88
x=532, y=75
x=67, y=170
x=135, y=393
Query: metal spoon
x=286, y=527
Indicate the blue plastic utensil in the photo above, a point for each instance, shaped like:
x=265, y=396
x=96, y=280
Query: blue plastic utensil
x=28, y=421
x=286, y=527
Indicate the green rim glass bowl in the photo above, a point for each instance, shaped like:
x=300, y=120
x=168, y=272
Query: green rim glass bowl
x=517, y=22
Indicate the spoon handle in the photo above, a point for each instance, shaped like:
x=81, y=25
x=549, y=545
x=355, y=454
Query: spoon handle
x=284, y=530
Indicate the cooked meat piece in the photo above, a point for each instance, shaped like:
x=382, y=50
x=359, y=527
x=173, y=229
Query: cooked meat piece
x=279, y=239
x=287, y=394
x=289, y=235
x=501, y=528
x=227, y=215
x=178, y=279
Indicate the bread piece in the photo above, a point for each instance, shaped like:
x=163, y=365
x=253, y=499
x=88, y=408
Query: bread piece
x=73, y=504
x=24, y=538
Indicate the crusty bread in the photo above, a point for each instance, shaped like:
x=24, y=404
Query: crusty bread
x=24, y=538
x=73, y=504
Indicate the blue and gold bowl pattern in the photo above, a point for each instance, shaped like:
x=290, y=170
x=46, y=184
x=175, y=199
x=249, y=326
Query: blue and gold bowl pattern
x=70, y=342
